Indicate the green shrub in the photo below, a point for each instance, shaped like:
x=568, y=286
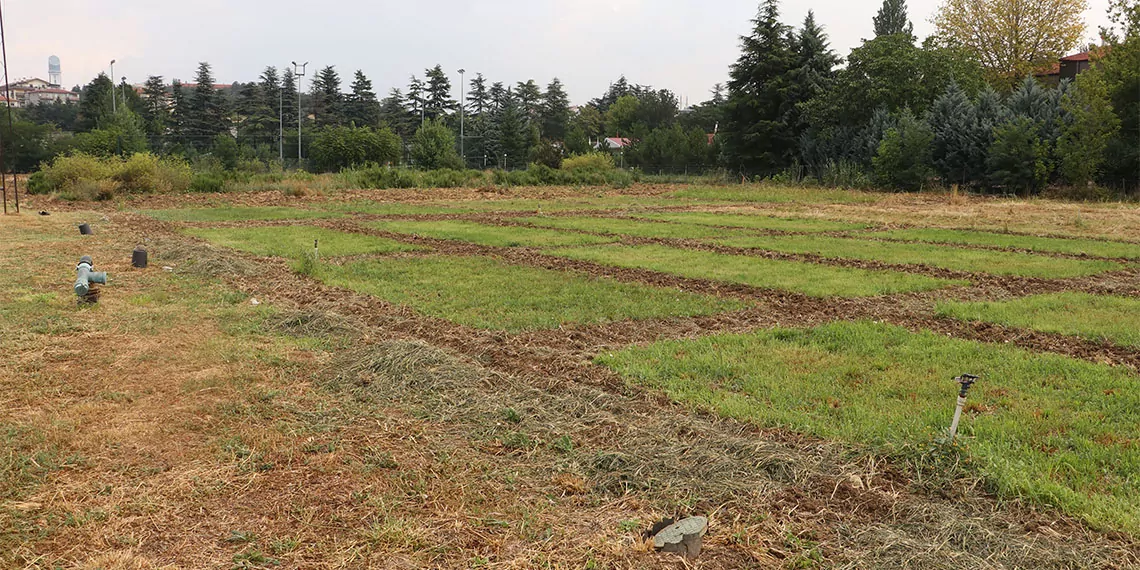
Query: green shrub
x=66, y=171
x=903, y=161
x=145, y=173
x=589, y=162
x=338, y=148
x=1019, y=160
x=433, y=147
x=207, y=182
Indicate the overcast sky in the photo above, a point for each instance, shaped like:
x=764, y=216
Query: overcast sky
x=683, y=45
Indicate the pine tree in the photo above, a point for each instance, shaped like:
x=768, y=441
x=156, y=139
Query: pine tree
x=814, y=73
x=156, y=111
x=555, y=111
x=959, y=146
x=327, y=99
x=757, y=138
x=363, y=108
x=95, y=103
x=892, y=19
x=529, y=98
x=438, y=101
x=394, y=112
x=478, y=98
x=417, y=100
x=509, y=139
x=289, y=100
x=208, y=115
x=270, y=108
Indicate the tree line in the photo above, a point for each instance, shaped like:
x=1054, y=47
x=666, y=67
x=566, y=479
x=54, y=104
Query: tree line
x=961, y=107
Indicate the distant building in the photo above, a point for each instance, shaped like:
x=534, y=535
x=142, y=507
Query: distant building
x=1070, y=66
x=32, y=91
x=612, y=143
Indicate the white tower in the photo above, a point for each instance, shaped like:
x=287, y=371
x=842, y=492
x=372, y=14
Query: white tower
x=55, y=73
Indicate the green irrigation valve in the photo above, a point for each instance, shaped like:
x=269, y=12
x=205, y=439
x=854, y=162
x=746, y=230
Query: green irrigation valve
x=85, y=276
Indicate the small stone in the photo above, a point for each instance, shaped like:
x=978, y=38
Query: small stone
x=856, y=482
x=683, y=537
x=254, y=302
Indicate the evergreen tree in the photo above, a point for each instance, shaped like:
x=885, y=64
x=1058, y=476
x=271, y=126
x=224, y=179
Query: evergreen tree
x=555, y=111
x=903, y=157
x=757, y=138
x=958, y=149
x=892, y=19
x=327, y=99
x=417, y=101
x=156, y=111
x=814, y=74
x=438, y=96
x=529, y=98
x=478, y=97
x=394, y=113
x=179, y=108
x=363, y=108
x=617, y=89
x=1092, y=126
x=1019, y=159
x=95, y=103
x=207, y=115
x=289, y=96
x=509, y=139
x=270, y=108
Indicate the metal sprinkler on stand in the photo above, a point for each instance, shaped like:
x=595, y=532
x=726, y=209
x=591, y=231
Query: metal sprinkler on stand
x=965, y=380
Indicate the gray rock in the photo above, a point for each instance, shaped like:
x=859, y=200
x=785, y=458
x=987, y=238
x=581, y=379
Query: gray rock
x=683, y=537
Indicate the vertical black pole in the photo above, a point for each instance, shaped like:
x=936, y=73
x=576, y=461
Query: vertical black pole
x=8, y=95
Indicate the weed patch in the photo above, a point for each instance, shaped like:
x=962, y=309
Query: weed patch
x=294, y=241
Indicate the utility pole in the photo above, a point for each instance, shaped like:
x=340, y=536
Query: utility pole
x=113, y=97
x=462, y=104
x=8, y=96
x=281, y=125
x=124, y=86
x=299, y=75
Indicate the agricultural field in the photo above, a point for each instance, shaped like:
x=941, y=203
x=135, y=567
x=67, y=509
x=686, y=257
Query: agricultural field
x=534, y=378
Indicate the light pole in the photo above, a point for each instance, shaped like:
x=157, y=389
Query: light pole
x=113, y=104
x=299, y=75
x=462, y=149
x=281, y=125
x=124, y=87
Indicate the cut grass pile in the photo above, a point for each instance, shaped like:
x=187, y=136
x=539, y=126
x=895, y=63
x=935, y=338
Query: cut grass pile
x=238, y=214
x=489, y=294
x=807, y=278
x=294, y=241
x=1096, y=317
x=496, y=236
x=776, y=195
x=757, y=222
x=1041, y=427
x=958, y=259
x=634, y=228
x=1075, y=246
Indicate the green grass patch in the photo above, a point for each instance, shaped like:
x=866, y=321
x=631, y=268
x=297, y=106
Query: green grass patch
x=776, y=195
x=293, y=241
x=1043, y=427
x=959, y=259
x=512, y=205
x=1096, y=317
x=1075, y=246
x=498, y=236
x=634, y=228
x=807, y=278
x=238, y=214
x=757, y=222
x=489, y=294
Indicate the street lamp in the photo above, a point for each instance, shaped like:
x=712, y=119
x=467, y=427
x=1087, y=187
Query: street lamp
x=462, y=85
x=299, y=74
x=113, y=104
x=124, y=86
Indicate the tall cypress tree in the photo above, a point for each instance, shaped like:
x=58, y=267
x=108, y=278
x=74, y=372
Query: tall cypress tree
x=363, y=108
x=208, y=114
x=892, y=19
x=757, y=137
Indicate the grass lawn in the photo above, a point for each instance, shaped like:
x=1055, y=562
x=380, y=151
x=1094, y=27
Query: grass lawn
x=757, y=222
x=1044, y=427
x=238, y=214
x=635, y=228
x=497, y=236
x=1057, y=245
x=776, y=195
x=1115, y=319
x=972, y=260
x=807, y=278
x=292, y=241
x=488, y=294
x=509, y=205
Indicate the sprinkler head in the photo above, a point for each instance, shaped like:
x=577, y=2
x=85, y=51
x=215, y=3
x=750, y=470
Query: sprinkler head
x=966, y=380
